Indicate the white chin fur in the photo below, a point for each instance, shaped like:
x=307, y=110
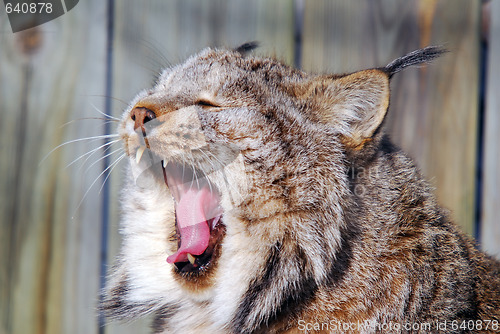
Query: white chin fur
x=147, y=225
x=239, y=265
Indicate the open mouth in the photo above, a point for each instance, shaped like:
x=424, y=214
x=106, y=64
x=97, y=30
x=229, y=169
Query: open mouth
x=199, y=227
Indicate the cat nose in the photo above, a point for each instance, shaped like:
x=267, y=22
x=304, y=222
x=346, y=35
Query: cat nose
x=141, y=116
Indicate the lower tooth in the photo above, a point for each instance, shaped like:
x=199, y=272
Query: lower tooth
x=191, y=258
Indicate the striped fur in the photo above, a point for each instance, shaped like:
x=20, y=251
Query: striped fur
x=325, y=221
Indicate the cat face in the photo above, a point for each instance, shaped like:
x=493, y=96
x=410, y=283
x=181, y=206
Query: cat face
x=236, y=183
x=219, y=132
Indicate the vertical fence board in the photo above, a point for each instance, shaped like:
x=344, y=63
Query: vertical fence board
x=49, y=261
x=451, y=109
x=490, y=236
x=433, y=113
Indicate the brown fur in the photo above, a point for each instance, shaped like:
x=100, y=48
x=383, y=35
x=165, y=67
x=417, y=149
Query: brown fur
x=333, y=225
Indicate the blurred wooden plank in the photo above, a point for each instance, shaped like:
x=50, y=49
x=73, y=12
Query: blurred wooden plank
x=49, y=261
x=155, y=34
x=433, y=113
x=490, y=229
x=451, y=104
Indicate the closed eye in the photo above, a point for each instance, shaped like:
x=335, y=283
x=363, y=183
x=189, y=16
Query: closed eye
x=207, y=104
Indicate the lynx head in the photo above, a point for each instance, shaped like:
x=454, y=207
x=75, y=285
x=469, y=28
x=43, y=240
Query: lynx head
x=237, y=188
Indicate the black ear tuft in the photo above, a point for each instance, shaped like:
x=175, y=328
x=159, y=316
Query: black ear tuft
x=244, y=49
x=416, y=57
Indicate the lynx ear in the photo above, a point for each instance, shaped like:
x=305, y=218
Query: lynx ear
x=246, y=48
x=356, y=104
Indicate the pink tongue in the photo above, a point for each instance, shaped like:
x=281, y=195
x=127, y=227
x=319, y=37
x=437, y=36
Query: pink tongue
x=192, y=210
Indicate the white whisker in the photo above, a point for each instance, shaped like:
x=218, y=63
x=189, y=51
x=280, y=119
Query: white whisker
x=102, y=158
x=108, y=121
x=224, y=176
x=216, y=159
x=195, y=176
x=103, y=113
x=183, y=168
x=112, y=98
x=114, y=164
x=77, y=140
x=97, y=178
x=213, y=166
x=104, y=151
x=91, y=152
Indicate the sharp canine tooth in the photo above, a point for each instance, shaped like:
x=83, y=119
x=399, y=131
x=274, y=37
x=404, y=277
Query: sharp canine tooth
x=164, y=162
x=191, y=258
x=139, y=153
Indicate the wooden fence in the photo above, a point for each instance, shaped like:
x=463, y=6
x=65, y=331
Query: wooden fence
x=59, y=225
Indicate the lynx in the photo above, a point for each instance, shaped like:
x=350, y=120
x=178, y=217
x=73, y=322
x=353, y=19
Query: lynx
x=262, y=199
